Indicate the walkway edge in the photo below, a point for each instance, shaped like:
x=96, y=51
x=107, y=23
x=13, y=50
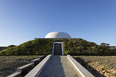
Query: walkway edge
x=37, y=69
x=80, y=68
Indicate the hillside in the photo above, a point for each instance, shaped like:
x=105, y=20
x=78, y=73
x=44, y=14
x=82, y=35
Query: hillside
x=70, y=46
x=2, y=48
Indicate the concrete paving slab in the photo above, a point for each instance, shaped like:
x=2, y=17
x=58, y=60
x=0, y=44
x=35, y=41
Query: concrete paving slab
x=59, y=66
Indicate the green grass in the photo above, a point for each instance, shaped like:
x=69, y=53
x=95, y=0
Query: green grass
x=9, y=64
x=70, y=46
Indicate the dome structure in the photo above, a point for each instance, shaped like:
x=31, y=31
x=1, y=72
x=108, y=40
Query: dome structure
x=57, y=35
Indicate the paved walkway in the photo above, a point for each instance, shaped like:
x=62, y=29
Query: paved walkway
x=59, y=66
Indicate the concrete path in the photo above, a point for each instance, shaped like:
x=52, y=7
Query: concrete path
x=59, y=66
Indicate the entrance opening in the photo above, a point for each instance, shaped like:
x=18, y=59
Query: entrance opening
x=57, y=49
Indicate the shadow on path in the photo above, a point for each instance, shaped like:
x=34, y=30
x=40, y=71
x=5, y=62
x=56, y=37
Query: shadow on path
x=89, y=68
x=53, y=68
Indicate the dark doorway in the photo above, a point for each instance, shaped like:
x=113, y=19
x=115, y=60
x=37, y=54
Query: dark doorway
x=57, y=49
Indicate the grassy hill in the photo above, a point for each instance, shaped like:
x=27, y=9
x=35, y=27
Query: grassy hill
x=70, y=46
x=2, y=48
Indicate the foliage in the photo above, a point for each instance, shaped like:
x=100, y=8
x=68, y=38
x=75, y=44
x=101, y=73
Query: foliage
x=2, y=48
x=104, y=44
x=9, y=64
x=11, y=45
x=108, y=61
x=103, y=64
x=70, y=46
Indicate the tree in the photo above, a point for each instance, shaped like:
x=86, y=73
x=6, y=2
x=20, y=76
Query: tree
x=104, y=44
x=11, y=45
x=107, y=44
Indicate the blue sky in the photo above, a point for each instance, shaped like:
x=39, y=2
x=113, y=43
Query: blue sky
x=24, y=20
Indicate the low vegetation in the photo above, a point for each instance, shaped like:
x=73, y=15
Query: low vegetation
x=102, y=61
x=9, y=64
x=70, y=46
x=106, y=65
x=2, y=48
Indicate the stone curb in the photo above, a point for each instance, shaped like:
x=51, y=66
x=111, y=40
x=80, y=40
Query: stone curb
x=16, y=74
x=37, y=70
x=36, y=61
x=80, y=68
x=22, y=69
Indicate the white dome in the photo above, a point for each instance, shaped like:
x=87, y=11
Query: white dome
x=57, y=35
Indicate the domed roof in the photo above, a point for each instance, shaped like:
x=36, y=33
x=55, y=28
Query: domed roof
x=57, y=35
